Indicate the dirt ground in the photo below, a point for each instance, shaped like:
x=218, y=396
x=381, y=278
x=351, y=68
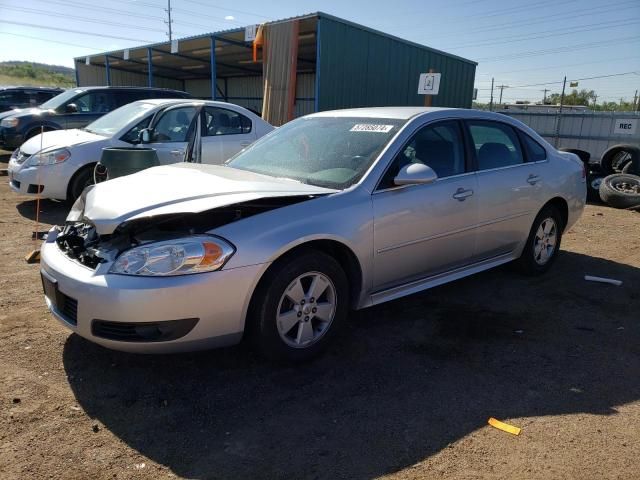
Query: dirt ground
x=405, y=392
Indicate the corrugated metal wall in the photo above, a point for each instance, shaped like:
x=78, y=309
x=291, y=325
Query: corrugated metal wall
x=362, y=68
x=94, y=75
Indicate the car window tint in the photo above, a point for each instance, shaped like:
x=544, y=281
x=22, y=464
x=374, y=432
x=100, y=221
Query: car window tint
x=94, y=102
x=42, y=97
x=439, y=146
x=132, y=135
x=535, y=151
x=12, y=98
x=173, y=125
x=220, y=121
x=496, y=145
x=124, y=97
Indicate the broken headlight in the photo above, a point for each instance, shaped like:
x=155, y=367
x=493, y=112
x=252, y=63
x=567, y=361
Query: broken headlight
x=175, y=257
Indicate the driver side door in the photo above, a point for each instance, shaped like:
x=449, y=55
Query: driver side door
x=170, y=130
x=424, y=230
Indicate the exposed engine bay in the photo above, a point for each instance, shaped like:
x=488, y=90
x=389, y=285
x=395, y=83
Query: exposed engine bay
x=79, y=240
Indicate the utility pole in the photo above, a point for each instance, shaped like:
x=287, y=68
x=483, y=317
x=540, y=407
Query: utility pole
x=544, y=98
x=491, y=101
x=595, y=100
x=169, y=21
x=564, y=84
x=501, y=87
x=635, y=101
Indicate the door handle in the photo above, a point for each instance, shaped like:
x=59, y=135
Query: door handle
x=176, y=153
x=245, y=144
x=533, y=179
x=461, y=194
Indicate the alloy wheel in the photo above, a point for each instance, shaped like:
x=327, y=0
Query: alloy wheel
x=306, y=309
x=545, y=240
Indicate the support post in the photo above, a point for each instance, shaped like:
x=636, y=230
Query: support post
x=491, y=101
x=428, y=99
x=214, y=76
x=75, y=64
x=107, y=68
x=557, y=139
x=316, y=101
x=150, y=67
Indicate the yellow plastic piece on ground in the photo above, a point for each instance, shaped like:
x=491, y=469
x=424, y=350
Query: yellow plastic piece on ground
x=505, y=427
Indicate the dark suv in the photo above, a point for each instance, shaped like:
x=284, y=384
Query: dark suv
x=23, y=97
x=75, y=108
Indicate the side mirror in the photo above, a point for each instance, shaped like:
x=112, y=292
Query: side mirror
x=71, y=108
x=415, y=174
x=145, y=135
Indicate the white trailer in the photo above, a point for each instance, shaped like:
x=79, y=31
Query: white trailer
x=604, y=136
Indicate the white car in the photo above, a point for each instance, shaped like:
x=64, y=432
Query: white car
x=60, y=164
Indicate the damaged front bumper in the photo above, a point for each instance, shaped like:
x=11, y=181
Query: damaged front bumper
x=146, y=314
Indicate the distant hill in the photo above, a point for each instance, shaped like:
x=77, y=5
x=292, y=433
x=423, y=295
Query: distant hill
x=37, y=74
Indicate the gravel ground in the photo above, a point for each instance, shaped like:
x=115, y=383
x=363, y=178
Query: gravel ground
x=405, y=392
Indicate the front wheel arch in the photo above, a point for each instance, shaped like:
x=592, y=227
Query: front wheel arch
x=74, y=177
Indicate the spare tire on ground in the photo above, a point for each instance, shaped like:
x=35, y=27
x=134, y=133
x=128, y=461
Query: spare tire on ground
x=621, y=190
x=618, y=157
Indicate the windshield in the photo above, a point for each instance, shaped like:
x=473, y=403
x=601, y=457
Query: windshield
x=115, y=121
x=59, y=100
x=329, y=152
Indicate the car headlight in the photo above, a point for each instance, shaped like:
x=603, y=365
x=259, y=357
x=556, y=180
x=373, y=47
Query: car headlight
x=175, y=257
x=50, y=158
x=10, y=122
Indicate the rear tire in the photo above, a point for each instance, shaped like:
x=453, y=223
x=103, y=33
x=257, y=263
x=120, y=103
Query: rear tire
x=543, y=243
x=81, y=179
x=292, y=321
x=621, y=190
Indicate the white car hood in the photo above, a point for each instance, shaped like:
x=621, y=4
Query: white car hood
x=181, y=188
x=59, y=139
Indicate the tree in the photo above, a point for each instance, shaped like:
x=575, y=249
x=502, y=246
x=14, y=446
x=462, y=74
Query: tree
x=582, y=97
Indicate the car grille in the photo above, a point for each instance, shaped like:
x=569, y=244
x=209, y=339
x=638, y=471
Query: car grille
x=143, y=332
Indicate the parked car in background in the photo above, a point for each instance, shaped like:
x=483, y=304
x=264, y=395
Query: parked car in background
x=335, y=210
x=12, y=98
x=75, y=108
x=60, y=164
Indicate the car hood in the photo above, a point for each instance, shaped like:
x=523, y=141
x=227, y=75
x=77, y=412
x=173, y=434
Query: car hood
x=58, y=139
x=181, y=188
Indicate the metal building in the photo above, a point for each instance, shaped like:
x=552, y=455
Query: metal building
x=333, y=64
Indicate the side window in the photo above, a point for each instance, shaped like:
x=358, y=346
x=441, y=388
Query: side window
x=132, y=135
x=220, y=121
x=123, y=97
x=439, y=146
x=94, y=102
x=535, y=151
x=13, y=98
x=496, y=145
x=42, y=97
x=173, y=125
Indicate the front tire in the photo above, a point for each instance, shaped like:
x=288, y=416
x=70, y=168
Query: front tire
x=543, y=243
x=81, y=179
x=299, y=307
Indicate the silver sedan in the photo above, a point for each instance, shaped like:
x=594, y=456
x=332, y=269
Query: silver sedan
x=334, y=211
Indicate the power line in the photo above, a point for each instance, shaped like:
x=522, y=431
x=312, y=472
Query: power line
x=84, y=19
x=68, y=30
x=244, y=12
x=560, y=32
x=48, y=40
x=572, y=80
x=103, y=9
x=568, y=48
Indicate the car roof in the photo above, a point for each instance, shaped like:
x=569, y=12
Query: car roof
x=172, y=101
x=106, y=87
x=26, y=87
x=400, y=113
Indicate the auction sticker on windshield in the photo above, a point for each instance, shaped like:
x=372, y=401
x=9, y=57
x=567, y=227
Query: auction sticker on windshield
x=369, y=127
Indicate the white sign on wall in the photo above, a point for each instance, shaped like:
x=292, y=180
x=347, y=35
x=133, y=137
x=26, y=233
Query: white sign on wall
x=125, y=54
x=250, y=33
x=625, y=126
x=174, y=46
x=429, y=84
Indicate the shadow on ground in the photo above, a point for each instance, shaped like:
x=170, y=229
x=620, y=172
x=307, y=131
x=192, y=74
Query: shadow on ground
x=51, y=211
x=405, y=380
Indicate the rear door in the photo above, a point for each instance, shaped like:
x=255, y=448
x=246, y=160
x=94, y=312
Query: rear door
x=224, y=133
x=509, y=188
x=171, y=130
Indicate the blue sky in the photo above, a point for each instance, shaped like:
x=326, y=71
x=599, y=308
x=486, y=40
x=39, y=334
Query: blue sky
x=518, y=42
